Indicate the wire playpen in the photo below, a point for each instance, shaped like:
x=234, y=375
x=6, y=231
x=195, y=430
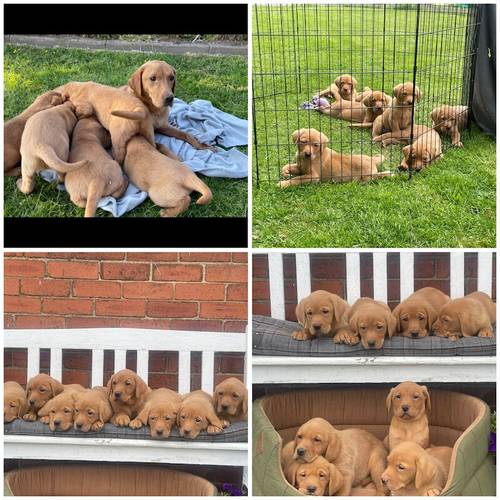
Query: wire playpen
x=303, y=56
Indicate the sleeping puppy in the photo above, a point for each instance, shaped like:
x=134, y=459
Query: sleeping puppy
x=324, y=313
x=231, y=400
x=416, y=314
x=345, y=85
x=59, y=411
x=409, y=403
x=92, y=409
x=424, y=149
x=357, y=454
x=450, y=120
x=468, y=316
x=13, y=129
x=159, y=412
x=413, y=471
x=317, y=478
x=372, y=321
x=127, y=393
x=197, y=414
x=15, y=404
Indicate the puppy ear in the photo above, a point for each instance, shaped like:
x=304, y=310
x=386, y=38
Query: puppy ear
x=391, y=324
x=417, y=93
x=337, y=81
x=332, y=449
x=109, y=385
x=353, y=323
x=135, y=82
x=431, y=316
x=23, y=407
x=178, y=416
x=427, y=397
x=426, y=471
x=435, y=117
x=295, y=136
x=215, y=398
x=406, y=151
x=56, y=387
x=388, y=401
x=396, y=313
x=340, y=310
x=141, y=387
x=336, y=480
x=354, y=82
x=56, y=99
x=323, y=140
x=291, y=473
x=397, y=89
x=104, y=411
x=45, y=409
x=300, y=312
x=28, y=387
x=467, y=324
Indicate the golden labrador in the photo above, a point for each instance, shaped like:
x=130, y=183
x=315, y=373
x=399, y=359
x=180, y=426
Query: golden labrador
x=127, y=394
x=13, y=130
x=45, y=144
x=15, y=404
x=424, y=149
x=92, y=409
x=59, y=412
x=231, y=400
x=450, y=120
x=102, y=176
x=315, y=162
x=159, y=412
x=371, y=321
x=409, y=404
x=468, y=316
x=416, y=314
x=413, y=471
x=345, y=85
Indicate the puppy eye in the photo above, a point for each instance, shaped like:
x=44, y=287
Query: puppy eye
x=128, y=383
x=114, y=383
x=397, y=396
x=318, y=440
x=66, y=410
x=362, y=328
x=321, y=474
x=12, y=405
x=404, y=319
x=302, y=474
x=236, y=396
x=401, y=467
x=77, y=411
x=167, y=418
x=90, y=412
x=172, y=78
x=52, y=411
x=152, y=419
x=421, y=316
x=197, y=420
x=183, y=417
x=41, y=389
x=416, y=396
x=152, y=78
x=316, y=144
x=379, y=327
x=309, y=313
x=299, y=436
x=221, y=393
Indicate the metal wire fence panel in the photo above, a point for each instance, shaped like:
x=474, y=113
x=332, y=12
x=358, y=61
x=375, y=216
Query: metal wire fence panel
x=300, y=50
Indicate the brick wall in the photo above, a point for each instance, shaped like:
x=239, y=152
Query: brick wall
x=328, y=273
x=179, y=291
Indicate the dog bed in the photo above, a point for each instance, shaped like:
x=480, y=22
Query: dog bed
x=273, y=337
x=456, y=420
x=104, y=480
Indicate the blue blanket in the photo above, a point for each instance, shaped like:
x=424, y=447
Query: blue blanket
x=210, y=126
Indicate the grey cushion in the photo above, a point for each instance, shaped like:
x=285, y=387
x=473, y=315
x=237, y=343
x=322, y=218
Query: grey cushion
x=273, y=337
x=235, y=433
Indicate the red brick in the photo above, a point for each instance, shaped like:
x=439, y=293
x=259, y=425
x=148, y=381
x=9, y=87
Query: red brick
x=197, y=325
x=20, y=358
x=232, y=364
x=223, y=310
x=240, y=257
x=205, y=256
x=11, y=286
x=157, y=324
x=260, y=290
x=8, y=321
x=424, y=266
x=40, y=321
x=24, y=267
x=443, y=266
x=47, y=287
x=104, y=289
x=14, y=254
x=262, y=309
x=17, y=304
x=91, y=322
x=129, y=307
x=235, y=326
x=332, y=286
x=68, y=306
x=225, y=273
x=177, y=272
x=82, y=270
x=157, y=361
x=172, y=362
x=15, y=375
x=157, y=380
x=163, y=309
x=366, y=265
x=237, y=292
x=152, y=256
x=393, y=267
x=76, y=377
x=125, y=271
x=470, y=265
x=199, y=291
x=393, y=290
x=290, y=312
x=327, y=266
x=260, y=267
x=148, y=290
x=97, y=255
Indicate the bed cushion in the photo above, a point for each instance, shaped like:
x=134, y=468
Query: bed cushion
x=235, y=433
x=273, y=337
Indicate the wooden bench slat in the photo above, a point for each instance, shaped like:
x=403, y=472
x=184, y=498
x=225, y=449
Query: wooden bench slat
x=485, y=272
x=56, y=363
x=276, y=285
x=456, y=275
x=120, y=359
x=353, y=277
x=142, y=365
x=33, y=364
x=97, y=367
x=184, y=381
x=207, y=372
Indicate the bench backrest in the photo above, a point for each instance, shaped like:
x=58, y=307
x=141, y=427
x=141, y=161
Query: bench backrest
x=128, y=339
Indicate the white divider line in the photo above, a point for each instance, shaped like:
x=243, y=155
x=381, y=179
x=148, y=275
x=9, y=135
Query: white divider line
x=485, y=272
x=353, y=279
x=120, y=360
x=207, y=371
x=97, y=367
x=184, y=381
x=56, y=363
x=303, y=270
x=276, y=285
x=380, y=276
x=406, y=275
x=33, y=362
x=143, y=364
x=457, y=277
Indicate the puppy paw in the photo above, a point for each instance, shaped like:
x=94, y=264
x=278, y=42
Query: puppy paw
x=283, y=184
x=286, y=170
x=97, y=426
x=345, y=337
x=485, y=332
x=300, y=335
x=44, y=420
x=121, y=420
x=433, y=492
x=29, y=417
x=213, y=429
x=452, y=337
x=135, y=424
x=458, y=144
x=225, y=424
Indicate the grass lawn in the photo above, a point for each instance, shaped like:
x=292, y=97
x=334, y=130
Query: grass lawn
x=451, y=204
x=29, y=72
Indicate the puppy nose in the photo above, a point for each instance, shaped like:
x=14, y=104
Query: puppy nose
x=187, y=432
x=371, y=342
x=301, y=452
x=316, y=327
x=311, y=489
x=401, y=168
x=159, y=432
x=79, y=426
x=307, y=154
x=57, y=422
x=118, y=394
x=32, y=402
x=225, y=407
x=405, y=407
x=384, y=480
x=414, y=333
x=169, y=100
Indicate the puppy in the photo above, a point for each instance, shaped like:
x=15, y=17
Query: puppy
x=231, y=400
x=159, y=412
x=59, y=411
x=197, y=414
x=167, y=181
x=371, y=320
x=102, y=176
x=92, y=409
x=315, y=162
x=317, y=478
x=450, y=120
x=423, y=150
x=13, y=129
x=416, y=314
x=357, y=454
x=345, y=85
x=127, y=394
x=409, y=404
x=15, y=404
x=45, y=144
x=394, y=124
x=323, y=313
x=468, y=316
x=413, y=471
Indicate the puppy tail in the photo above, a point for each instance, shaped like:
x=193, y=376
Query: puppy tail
x=93, y=197
x=196, y=184
x=137, y=114
x=49, y=156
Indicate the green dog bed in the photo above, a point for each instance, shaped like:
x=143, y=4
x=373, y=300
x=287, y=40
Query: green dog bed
x=455, y=419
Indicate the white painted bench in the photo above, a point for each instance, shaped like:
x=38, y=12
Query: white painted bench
x=141, y=341
x=371, y=369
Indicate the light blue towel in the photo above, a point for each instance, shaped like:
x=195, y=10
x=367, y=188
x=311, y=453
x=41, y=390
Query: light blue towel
x=210, y=126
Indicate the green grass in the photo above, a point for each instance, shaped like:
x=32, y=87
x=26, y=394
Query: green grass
x=29, y=71
x=451, y=204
